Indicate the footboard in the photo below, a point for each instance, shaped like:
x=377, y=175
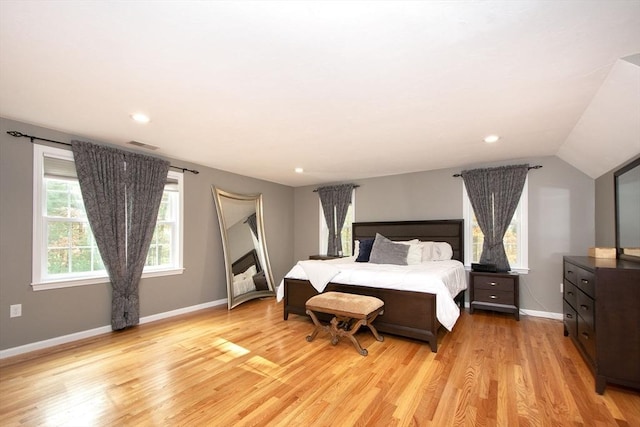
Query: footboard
x=407, y=314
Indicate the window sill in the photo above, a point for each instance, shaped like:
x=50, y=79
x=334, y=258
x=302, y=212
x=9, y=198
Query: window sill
x=70, y=283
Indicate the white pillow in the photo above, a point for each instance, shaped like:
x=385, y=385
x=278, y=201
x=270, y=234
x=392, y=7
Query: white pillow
x=415, y=252
x=442, y=251
x=356, y=250
x=427, y=251
x=251, y=271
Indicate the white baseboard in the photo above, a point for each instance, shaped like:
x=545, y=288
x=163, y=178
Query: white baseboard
x=545, y=314
x=534, y=313
x=15, y=351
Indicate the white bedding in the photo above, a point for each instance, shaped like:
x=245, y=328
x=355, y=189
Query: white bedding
x=445, y=279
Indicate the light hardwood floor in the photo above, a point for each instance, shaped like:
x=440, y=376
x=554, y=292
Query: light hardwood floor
x=249, y=367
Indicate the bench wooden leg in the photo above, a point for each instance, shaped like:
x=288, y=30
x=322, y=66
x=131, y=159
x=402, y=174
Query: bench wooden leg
x=349, y=334
x=373, y=329
x=341, y=326
x=318, y=327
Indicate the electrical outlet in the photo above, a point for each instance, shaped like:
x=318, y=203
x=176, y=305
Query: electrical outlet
x=561, y=288
x=15, y=310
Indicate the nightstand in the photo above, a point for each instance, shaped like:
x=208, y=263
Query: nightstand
x=324, y=257
x=495, y=291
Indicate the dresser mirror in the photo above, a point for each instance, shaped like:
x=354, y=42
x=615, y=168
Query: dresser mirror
x=248, y=271
x=627, y=194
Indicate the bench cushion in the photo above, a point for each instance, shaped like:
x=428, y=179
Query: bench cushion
x=330, y=302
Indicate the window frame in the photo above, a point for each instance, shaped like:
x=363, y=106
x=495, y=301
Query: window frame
x=522, y=266
x=39, y=243
x=324, y=230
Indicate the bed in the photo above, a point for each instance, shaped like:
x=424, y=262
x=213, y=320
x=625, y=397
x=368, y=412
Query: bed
x=408, y=314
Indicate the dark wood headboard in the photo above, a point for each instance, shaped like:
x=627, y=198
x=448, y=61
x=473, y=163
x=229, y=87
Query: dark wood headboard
x=245, y=261
x=445, y=230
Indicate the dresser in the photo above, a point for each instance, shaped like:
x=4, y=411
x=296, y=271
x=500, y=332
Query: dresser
x=601, y=312
x=495, y=291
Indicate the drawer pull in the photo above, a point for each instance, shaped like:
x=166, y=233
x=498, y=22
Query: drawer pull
x=585, y=281
x=493, y=297
x=569, y=271
x=585, y=335
x=492, y=283
x=569, y=316
x=584, y=307
x=569, y=293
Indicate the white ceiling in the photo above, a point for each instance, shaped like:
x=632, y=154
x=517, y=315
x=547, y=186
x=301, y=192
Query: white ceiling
x=345, y=90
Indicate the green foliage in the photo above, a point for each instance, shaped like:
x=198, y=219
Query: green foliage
x=71, y=247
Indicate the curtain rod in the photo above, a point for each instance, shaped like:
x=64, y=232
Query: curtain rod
x=316, y=190
x=33, y=138
x=530, y=167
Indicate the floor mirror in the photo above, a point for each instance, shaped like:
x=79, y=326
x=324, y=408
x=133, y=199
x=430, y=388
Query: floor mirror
x=248, y=271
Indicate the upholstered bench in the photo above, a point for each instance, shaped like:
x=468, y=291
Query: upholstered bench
x=350, y=311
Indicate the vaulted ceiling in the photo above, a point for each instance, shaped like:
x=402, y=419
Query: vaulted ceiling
x=345, y=90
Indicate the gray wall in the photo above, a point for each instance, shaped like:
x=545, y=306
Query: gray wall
x=605, y=208
x=54, y=313
x=561, y=217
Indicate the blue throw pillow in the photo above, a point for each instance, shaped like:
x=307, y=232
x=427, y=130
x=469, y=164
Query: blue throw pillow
x=365, y=250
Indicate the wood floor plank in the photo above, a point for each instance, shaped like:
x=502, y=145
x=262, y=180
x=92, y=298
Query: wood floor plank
x=249, y=367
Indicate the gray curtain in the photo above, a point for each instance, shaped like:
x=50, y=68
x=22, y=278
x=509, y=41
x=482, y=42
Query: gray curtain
x=252, y=222
x=122, y=193
x=335, y=200
x=494, y=194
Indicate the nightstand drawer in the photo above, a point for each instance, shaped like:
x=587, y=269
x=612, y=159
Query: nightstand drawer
x=493, y=283
x=495, y=297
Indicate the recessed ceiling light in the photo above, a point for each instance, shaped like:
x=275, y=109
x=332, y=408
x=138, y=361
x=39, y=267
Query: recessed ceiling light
x=140, y=118
x=491, y=138
x=299, y=170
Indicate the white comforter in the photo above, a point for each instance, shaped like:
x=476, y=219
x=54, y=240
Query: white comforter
x=442, y=278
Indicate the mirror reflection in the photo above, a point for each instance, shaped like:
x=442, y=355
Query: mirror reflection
x=245, y=251
x=627, y=186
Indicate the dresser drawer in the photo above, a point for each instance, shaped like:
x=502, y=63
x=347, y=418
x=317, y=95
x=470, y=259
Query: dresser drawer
x=571, y=273
x=570, y=293
x=570, y=319
x=586, y=282
x=587, y=337
x=585, y=308
x=493, y=283
x=495, y=297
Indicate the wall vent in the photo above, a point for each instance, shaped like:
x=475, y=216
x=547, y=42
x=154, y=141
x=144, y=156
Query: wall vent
x=143, y=145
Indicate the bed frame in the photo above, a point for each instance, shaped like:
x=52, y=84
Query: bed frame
x=407, y=314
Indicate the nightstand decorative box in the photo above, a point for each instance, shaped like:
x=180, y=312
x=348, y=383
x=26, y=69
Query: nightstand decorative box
x=495, y=291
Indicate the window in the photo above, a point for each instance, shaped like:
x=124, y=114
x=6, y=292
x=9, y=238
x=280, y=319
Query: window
x=345, y=234
x=64, y=249
x=515, y=239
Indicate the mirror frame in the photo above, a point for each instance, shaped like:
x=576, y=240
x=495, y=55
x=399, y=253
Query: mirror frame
x=621, y=252
x=232, y=299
